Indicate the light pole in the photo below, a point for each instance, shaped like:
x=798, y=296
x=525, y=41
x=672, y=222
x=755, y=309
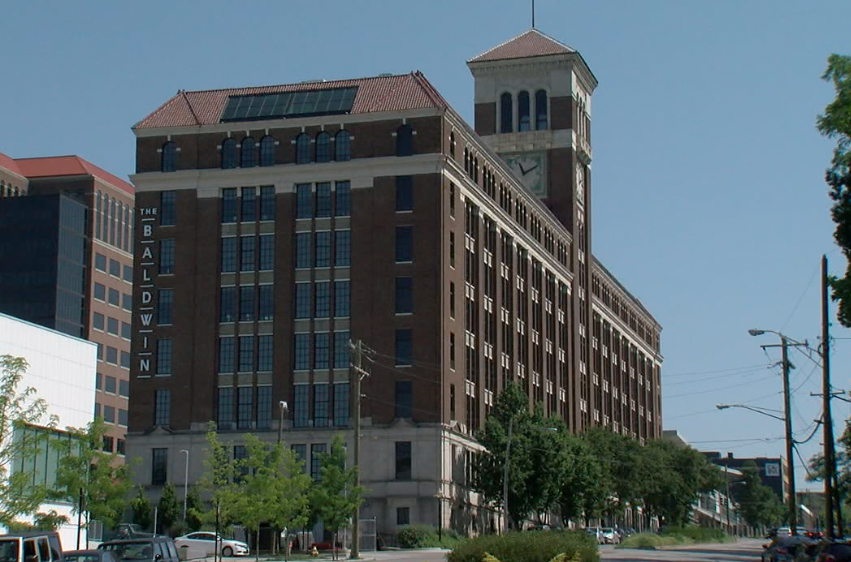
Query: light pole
x=185, y=484
x=284, y=407
x=757, y=409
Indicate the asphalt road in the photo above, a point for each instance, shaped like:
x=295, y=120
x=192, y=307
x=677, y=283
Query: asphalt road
x=745, y=550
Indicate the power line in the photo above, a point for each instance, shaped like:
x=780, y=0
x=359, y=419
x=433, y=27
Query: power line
x=687, y=374
x=801, y=298
x=719, y=389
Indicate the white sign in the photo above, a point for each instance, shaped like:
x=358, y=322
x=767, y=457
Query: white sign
x=144, y=308
x=772, y=469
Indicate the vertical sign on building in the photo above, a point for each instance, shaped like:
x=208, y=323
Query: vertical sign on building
x=145, y=306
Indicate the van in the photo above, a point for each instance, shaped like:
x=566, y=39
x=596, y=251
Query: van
x=35, y=546
x=152, y=549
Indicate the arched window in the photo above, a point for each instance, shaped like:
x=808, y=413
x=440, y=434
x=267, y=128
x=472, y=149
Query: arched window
x=2, y=189
x=467, y=160
x=523, y=120
x=476, y=169
x=169, y=157
x=228, y=154
x=267, y=151
x=302, y=149
x=540, y=110
x=323, y=147
x=342, y=146
x=98, y=211
x=105, y=219
x=249, y=153
x=127, y=218
x=506, y=114
x=119, y=221
x=404, y=140
x=111, y=221
x=452, y=144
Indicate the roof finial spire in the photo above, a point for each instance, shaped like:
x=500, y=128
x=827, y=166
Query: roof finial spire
x=533, y=14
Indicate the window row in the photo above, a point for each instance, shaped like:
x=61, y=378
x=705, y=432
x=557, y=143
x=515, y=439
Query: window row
x=244, y=407
x=321, y=350
x=321, y=405
x=8, y=190
x=524, y=112
x=113, y=356
x=116, y=270
x=110, y=414
x=321, y=252
x=314, y=300
x=248, y=253
x=247, y=204
x=315, y=200
x=246, y=354
x=113, y=222
x=110, y=325
x=246, y=303
x=112, y=386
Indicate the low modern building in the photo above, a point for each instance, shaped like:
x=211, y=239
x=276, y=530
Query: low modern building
x=772, y=470
x=61, y=369
x=277, y=223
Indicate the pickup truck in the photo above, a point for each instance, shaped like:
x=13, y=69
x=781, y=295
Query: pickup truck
x=35, y=546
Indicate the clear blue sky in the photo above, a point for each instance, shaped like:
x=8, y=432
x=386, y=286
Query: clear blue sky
x=709, y=202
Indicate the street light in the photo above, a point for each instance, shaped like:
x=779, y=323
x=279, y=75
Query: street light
x=284, y=407
x=185, y=483
x=757, y=409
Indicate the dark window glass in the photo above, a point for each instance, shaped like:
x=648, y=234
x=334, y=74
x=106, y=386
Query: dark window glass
x=404, y=141
x=264, y=407
x=100, y=262
x=403, y=347
x=302, y=300
x=100, y=292
x=246, y=304
x=114, y=268
x=98, y=381
x=227, y=300
x=265, y=302
x=167, y=256
x=229, y=254
x=403, y=460
x=341, y=350
x=301, y=405
x=404, y=193
x=301, y=355
x=267, y=151
x=506, y=114
x=228, y=154
x=122, y=417
x=124, y=388
x=244, y=399
x=112, y=325
x=165, y=299
x=167, y=199
x=341, y=404
x=300, y=452
x=224, y=416
x=248, y=207
x=249, y=153
x=404, y=295
x=267, y=203
x=164, y=349
x=403, y=399
x=316, y=452
x=229, y=205
x=124, y=361
x=323, y=147
x=404, y=243
x=323, y=200
x=322, y=305
x=169, y=157
x=240, y=453
x=246, y=354
x=523, y=119
x=303, y=201
x=451, y=299
x=127, y=302
x=302, y=250
x=321, y=353
x=264, y=352
x=322, y=250
x=320, y=405
x=98, y=209
x=302, y=149
x=114, y=297
x=127, y=273
x=451, y=199
x=342, y=299
x=403, y=516
x=540, y=110
x=97, y=321
x=120, y=448
x=342, y=198
x=159, y=466
x=162, y=399
x=342, y=146
x=109, y=384
x=246, y=253
x=342, y=248
x=226, y=354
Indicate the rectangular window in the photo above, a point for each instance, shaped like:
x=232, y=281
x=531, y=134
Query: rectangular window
x=100, y=292
x=342, y=248
x=301, y=405
x=227, y=301
x=246, y=354
x=267, y=203
x=341, y=350
x=303, y=201
x=342, y=299
x=452, y=299
x=111, y=355
x=166, y=256
x=323, y=200
x=127, y=302
x=229, y=205
x=248, y=208
x=301, y=356
x=302, y=250
x=403, y=399
x=246, y=253
x=404, y=243
x=267, y=252
x=341, y=404
x=124, y=389
x=159, y=466
x=403, y=347
x=120, y=446
x=321, y=353
x=114, y=297
x=404, y=295
x=167, y=199
x=97, y=321
x=112, y=325
x=226, y=354
x=165, y=299
x=403, y=516
x=224, y=416
x=114, y=268
x=404, y=193
x=322, y=250
x=403, y=460
x=122, y=417
x=244, y=405
x=98, y=381
x=246, y=304
x=451, y=350
x=126, y=330
x=452, y=249
x=100, y=262
x=162, y=398
x=316, y=452
x=265, y=302
x=451, y=199
x=164, y=349
x=302, y=300
x=109, y=384
x=300, y=452
x=229, y=254
x=342, y=195
x=127, y=273
x=320, y=405
x=322, y=308
x=264, y=353
x=264, y=407
x=125, y=360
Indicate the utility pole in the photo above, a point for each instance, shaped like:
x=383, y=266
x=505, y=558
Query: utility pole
x=357, y=373
x=829, y=466
x=727, y=479
x=787, y=403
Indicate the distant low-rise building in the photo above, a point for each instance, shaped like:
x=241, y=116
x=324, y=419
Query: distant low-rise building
x=772, y=470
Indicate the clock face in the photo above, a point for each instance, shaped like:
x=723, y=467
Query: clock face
x=530, y=169
x=580, y=183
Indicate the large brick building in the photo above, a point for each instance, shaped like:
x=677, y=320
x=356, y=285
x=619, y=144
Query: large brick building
x=66, y=231
x=276, y=223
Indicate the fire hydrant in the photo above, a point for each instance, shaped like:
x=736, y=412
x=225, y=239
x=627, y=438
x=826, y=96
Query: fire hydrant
x=314, y=552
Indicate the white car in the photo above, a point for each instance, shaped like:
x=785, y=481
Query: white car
x=203, y=541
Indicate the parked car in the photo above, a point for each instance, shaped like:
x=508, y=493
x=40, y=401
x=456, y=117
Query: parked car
x=43, y=546
x=205, y=542
x=89, y=556
x=786, y=548
x=595, y=533
x=832, y=552
x=152, y=549
x=609, y=535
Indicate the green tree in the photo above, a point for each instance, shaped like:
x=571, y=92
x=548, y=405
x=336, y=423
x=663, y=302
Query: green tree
x=758, y=503
x=19, y=411
x=96, y=483
x=336, y=494
x=193, y=509
x=835, y=123
x=169, y=509
x=217, y=482
x=290, y=492
x=142, y=509
x=579, y=473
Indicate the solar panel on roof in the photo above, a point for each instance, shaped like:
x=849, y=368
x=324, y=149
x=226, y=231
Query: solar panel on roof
x=289, y=104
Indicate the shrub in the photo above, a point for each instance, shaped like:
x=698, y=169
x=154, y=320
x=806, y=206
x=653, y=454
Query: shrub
x=651, y=541
x=697, y=534
x=528, y=546
x=426, y=536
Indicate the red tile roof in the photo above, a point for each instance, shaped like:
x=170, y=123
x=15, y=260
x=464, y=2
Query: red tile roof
x=376, y=94
x=54, y=166
x=532, y=43
x=9, y=164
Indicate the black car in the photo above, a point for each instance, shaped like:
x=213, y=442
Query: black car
x=832, y=552
x=153, y=549
x=785, y=548
x=89, y=556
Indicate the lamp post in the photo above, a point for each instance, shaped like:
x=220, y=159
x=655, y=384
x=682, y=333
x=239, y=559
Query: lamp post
x=185, y=483
x=757, y=409
x=284, y=407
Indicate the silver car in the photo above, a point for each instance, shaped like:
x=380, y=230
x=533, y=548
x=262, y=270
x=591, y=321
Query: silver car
x=204, y=541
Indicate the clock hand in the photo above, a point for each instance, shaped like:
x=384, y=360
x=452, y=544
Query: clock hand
x=529, y=170
x=522, y=171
